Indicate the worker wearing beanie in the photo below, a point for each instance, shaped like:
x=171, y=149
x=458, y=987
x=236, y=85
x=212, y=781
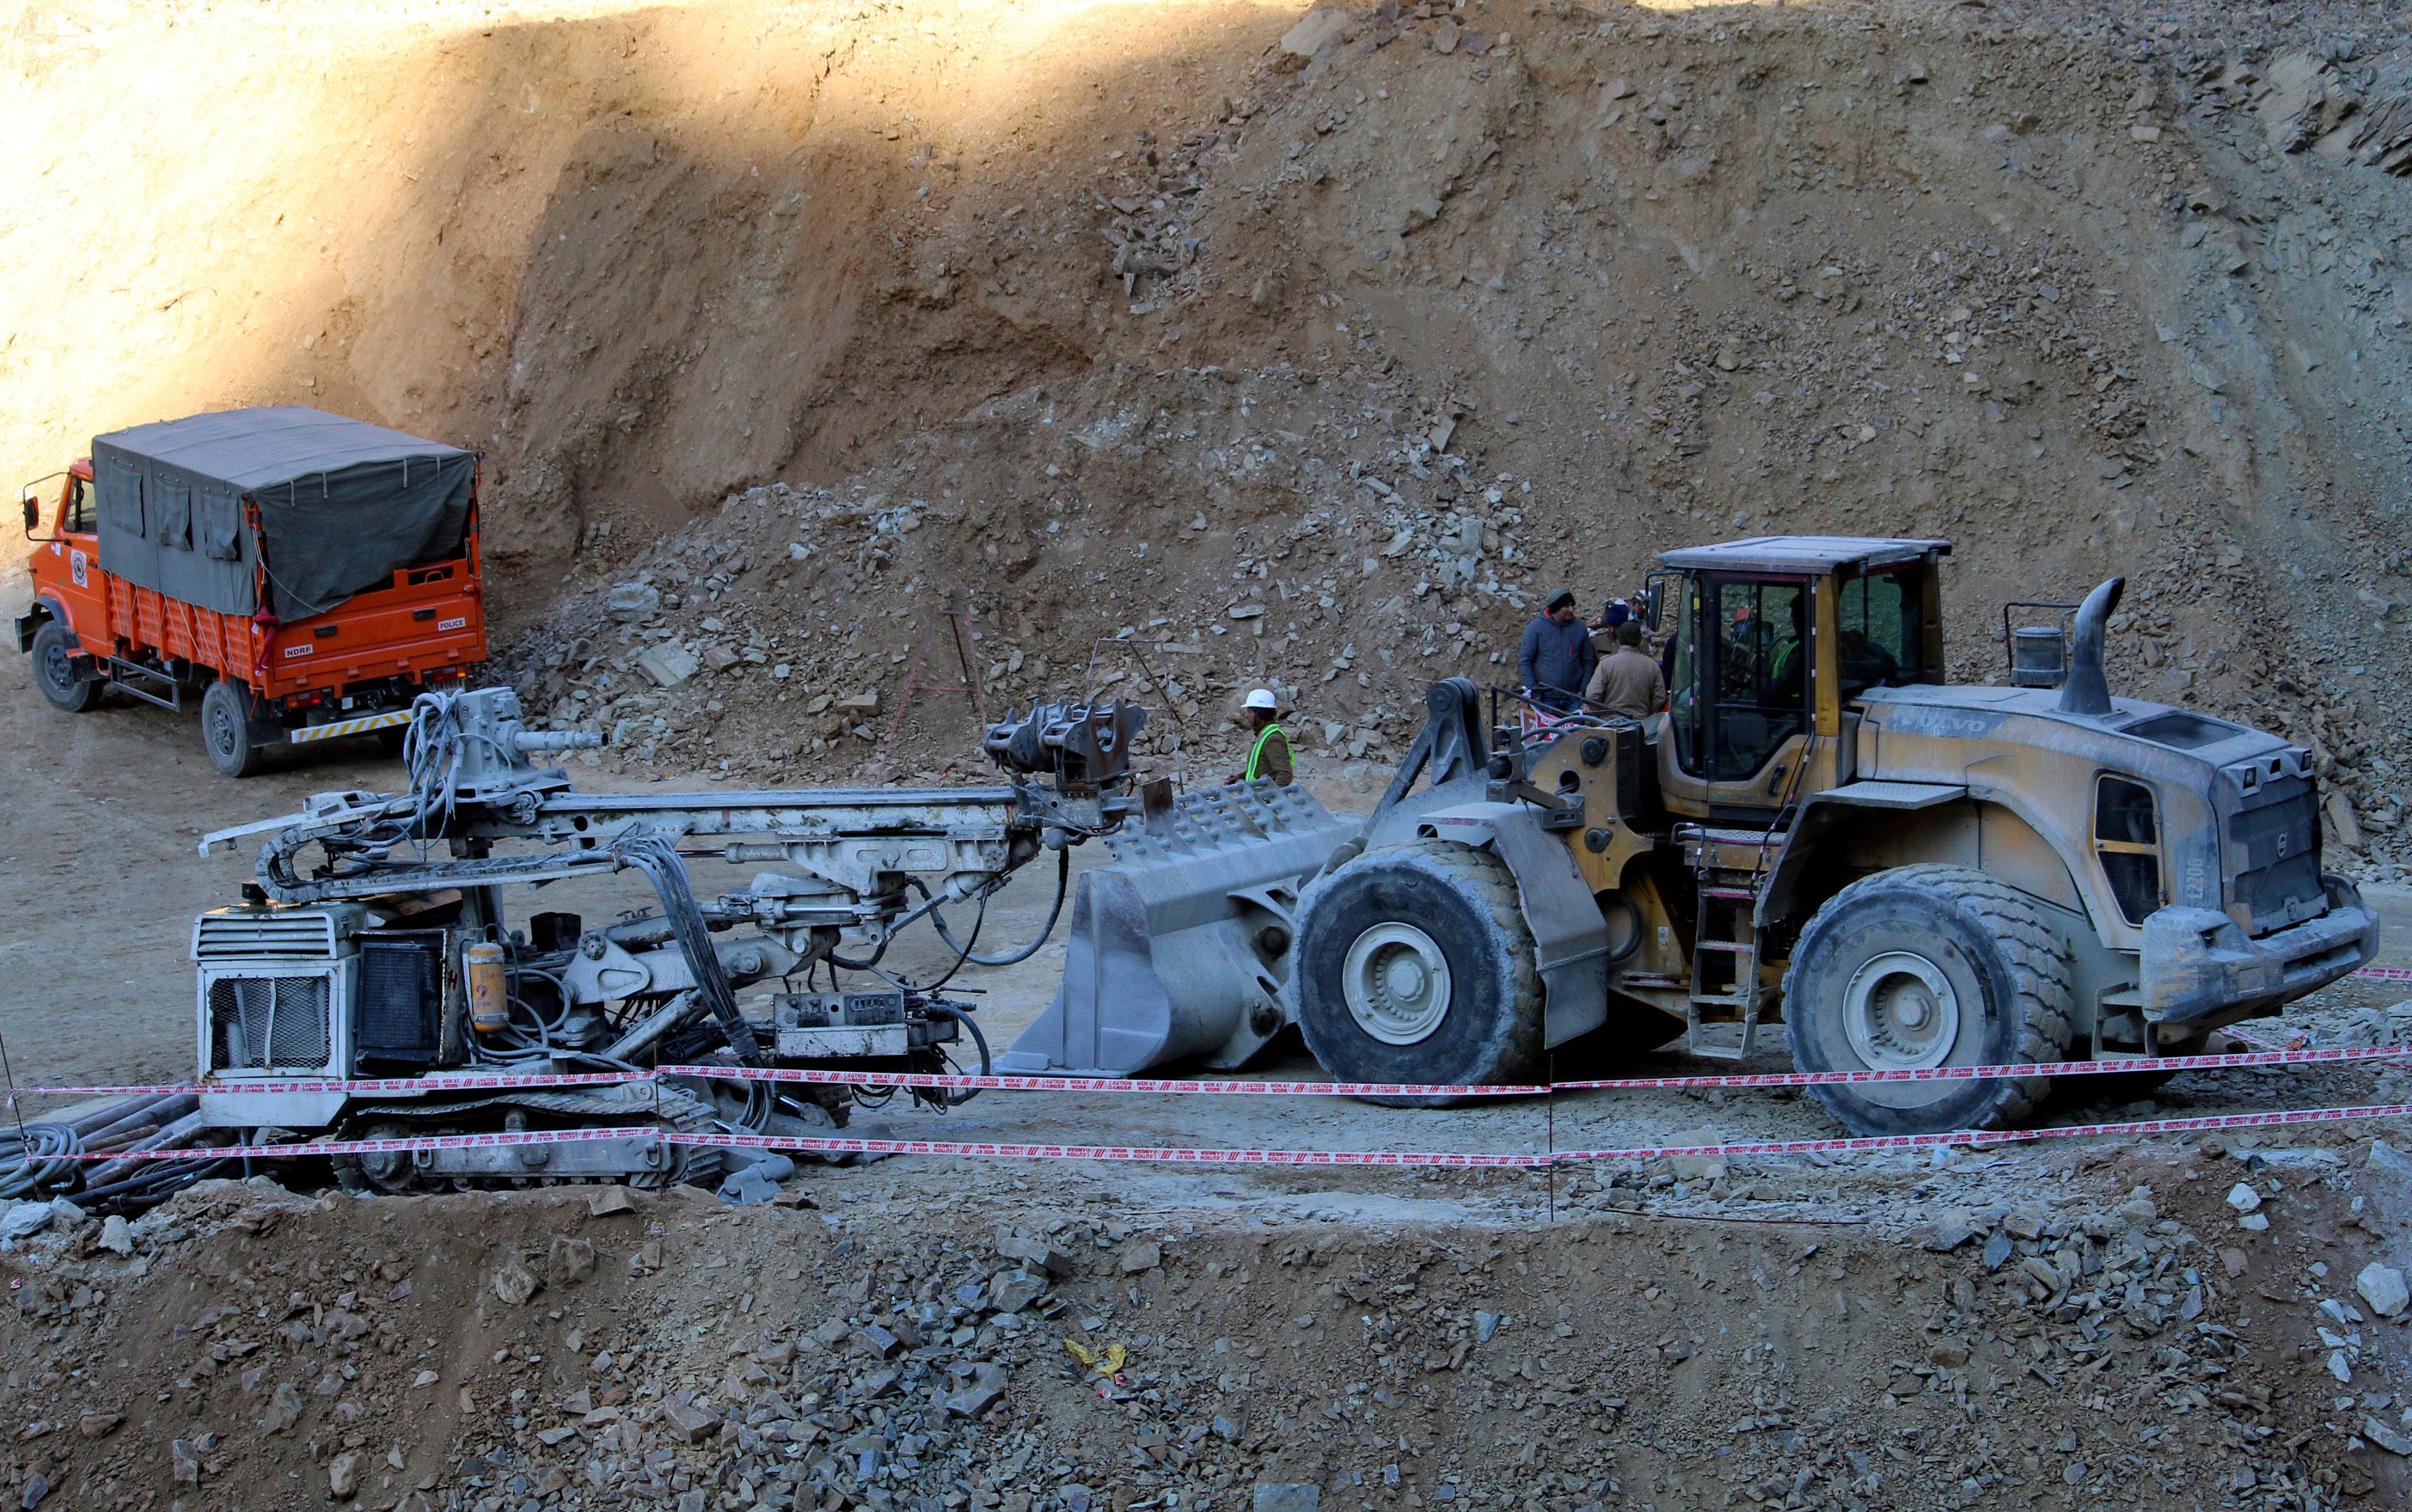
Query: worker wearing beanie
x=1556, y=658
x=1268, y=753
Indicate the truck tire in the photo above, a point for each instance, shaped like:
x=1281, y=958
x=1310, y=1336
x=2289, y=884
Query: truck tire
x=225, y=728
x=1928, y=966
x=1414, y=964
x=54, y=672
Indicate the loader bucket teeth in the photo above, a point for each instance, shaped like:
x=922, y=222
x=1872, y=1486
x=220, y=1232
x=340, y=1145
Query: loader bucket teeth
x=1180, y=949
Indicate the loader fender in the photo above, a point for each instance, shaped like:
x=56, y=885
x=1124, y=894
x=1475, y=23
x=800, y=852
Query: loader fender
x=1820, y=814
x=1570, y=935
x=1978, y=825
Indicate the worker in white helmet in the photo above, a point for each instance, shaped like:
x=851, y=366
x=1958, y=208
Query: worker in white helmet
x=1269, y=753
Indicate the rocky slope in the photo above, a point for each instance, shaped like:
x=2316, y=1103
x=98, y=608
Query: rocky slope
x=1314, y=353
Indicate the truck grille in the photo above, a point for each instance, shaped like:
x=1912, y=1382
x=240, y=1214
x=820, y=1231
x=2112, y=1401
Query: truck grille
x=2273, y=854
x=258, y=1022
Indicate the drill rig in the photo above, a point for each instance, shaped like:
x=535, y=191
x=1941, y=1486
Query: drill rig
x=376, y=944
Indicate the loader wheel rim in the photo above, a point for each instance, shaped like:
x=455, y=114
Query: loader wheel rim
x=1396, y=983
x=1901, y=1013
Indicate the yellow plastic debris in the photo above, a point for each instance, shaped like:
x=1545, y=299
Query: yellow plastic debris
x=1108, y=1363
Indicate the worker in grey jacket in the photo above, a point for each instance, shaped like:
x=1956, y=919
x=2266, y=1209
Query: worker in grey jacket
x=1555, y=661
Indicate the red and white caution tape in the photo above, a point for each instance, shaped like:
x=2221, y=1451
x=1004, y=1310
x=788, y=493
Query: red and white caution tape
x=357, y=1087
x=2383, y=973
x=1977, y=1138
x=2271, y=1056
x=1404, y=1157
x=814, y=1145
x=1362, y=1089
x=376, y=1147
x=1014, y=1083
x=1189, y=1157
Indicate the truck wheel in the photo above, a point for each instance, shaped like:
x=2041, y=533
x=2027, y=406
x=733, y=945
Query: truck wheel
x=1414, y=965
x=1925, y=966
x=54, y=672
x=225, y=728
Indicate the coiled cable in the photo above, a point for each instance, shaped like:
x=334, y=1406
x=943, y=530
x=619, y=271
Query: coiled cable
x=38, y=1157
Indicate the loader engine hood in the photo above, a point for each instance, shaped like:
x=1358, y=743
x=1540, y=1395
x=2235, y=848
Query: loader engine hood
x=2230, y=814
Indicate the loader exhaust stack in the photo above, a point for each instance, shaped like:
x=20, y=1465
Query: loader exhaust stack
x=2088, y=689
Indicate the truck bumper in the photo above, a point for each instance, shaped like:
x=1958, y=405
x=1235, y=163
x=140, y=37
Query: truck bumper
x=2200, y=969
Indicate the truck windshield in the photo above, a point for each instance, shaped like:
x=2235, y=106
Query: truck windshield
x=1882, y=640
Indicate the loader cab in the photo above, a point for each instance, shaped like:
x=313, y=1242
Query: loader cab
x=1769, y=641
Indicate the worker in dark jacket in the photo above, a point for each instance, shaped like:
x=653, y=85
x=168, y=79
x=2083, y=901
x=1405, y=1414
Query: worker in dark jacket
x=1555, y=661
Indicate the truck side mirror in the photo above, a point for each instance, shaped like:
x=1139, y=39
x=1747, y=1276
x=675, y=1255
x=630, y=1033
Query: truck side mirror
x=33, y=515
x=1650, y=603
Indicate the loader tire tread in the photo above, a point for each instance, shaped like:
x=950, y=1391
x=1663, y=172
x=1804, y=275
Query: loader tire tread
x=1511, y=1046
x=2038, y=1001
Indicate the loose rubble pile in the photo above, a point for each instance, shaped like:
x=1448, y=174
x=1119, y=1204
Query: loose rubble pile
x=2168, y=1326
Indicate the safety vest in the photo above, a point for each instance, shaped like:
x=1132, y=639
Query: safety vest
x=1255, y=752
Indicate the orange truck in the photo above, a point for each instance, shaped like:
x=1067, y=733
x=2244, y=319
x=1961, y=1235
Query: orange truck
x=306, y=576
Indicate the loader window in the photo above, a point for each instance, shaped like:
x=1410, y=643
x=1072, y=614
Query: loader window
x=2127, y=842
x=1882, y=642
x=1742, y=673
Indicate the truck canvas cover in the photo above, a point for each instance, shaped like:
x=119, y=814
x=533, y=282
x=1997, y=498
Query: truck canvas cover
x=343, y=506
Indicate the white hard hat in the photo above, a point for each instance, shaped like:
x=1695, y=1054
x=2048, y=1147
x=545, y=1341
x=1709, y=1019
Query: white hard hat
x=1260, y=699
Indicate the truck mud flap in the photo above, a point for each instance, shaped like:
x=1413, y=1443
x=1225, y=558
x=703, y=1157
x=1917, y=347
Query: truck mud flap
x=1179, y=949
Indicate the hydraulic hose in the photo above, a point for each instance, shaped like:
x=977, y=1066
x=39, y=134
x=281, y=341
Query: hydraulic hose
x=659, y=860
x=37, y=1156
x=1054, y=911
x=941, y=1010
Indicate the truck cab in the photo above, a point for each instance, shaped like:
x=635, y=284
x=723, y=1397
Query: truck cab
x=68, y=588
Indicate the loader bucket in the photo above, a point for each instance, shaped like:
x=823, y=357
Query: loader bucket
x=1180, y=947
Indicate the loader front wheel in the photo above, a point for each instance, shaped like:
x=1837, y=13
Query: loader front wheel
x=1922, y=967
x=1414, y=964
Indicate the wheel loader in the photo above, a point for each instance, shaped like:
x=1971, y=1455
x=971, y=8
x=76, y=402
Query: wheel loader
x=1818, y=831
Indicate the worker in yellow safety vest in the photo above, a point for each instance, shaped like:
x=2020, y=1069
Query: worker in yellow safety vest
x=1268, y=753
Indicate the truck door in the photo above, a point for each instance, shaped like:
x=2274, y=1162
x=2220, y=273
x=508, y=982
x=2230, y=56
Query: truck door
x=68, y=568
x=1738, y=676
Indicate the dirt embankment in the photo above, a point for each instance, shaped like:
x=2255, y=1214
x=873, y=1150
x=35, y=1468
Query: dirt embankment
x=2115, y=1335
x=1109, y=317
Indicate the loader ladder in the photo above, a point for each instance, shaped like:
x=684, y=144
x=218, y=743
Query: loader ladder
x=1725, y=940
x=1726, y=928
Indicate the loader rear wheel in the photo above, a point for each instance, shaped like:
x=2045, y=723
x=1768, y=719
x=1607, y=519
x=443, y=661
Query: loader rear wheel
x=225, y=729
x=54, y=672
x=1926, y=967
x=1414, y=964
